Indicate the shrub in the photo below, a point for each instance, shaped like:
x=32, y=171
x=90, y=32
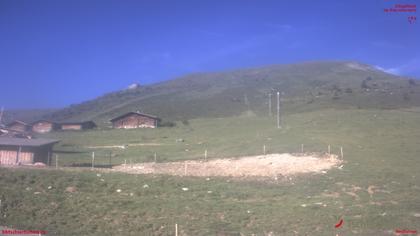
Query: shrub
x=406, y=97
x=335, y=88
x=336, y=96
x=364, y=84
x=167, y=124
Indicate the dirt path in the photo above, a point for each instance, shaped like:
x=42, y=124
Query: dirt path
x=272, y=165
x=127, y=145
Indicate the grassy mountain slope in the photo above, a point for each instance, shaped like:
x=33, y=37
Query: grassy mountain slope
x=28, y=115
x=305, y=86
x=375, y=191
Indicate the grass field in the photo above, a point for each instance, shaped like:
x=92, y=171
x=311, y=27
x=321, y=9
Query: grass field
x=376, y=192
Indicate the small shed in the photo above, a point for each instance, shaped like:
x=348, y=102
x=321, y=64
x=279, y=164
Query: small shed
x=19, y=126
x=6, y=132
x=83, y=125
x=17, y=151
x=132, y=120
x=44, y=126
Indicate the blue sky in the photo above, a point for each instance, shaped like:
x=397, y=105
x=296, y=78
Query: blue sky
x=56, y=53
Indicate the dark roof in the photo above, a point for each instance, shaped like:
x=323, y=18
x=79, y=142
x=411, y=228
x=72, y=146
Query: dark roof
x=18, y=122
x=43, y=121
x=77, y=122
x=6, y=130
x=134, y=113
x=9, y=130
x=7, y=141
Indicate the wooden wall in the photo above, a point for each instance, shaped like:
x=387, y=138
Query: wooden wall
x=9, y=157
x=28, y=155
x=71, y=127
x=42, y=127
x=135, y=121
x=18, y=127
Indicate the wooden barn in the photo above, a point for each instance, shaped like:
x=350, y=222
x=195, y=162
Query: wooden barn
x=11, y=133
x=21, y=151
x=132, y=120
x=19, y=126
x=77, y=125
x=44, y=126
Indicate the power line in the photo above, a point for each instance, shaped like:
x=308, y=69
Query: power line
x=278, y=110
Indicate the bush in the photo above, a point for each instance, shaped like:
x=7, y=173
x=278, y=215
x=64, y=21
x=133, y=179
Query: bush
x=406, y=97
x=336, y=96
x=167, y=124
x=185, y=122
x=335, y=88
x=364, y=85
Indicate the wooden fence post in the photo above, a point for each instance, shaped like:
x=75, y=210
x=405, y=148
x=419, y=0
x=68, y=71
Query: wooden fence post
x=176, y=229
x=49, y=159
x=56, y=161
x=264, y=149
x=93, y=160
x=329, y=149
x=205, y=155
x=155, y=157
x=301, y=148
x=110, y=155
x=342, y=154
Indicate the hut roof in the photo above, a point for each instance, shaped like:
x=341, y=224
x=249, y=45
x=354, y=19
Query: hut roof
x=134, y=113
x=17, y=122
x=43, y=121
x=8, y=141
x=77, y=122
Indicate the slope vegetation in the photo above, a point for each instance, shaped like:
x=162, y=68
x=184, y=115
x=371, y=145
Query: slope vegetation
x=304, y=87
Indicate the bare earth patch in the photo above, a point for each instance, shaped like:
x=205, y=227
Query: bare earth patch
x=126, y=145
x=271, y=165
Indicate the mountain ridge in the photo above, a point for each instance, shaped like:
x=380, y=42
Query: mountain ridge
x=305, y=86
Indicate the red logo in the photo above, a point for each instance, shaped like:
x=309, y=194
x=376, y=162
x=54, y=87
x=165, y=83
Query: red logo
x=405, y=231
x=339, y=224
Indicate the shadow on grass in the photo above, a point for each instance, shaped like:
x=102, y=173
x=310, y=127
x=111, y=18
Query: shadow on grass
x=62, y=151
x=89, y=165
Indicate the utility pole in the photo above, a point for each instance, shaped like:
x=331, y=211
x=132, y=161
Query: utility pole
x=1, y=114
x=246, y=101
x=269, y=105
x=110, y=155
x=278, y=111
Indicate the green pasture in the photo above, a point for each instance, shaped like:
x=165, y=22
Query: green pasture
x=376, y=192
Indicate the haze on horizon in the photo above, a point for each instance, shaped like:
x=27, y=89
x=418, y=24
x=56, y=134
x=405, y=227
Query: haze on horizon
x=57, y=53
